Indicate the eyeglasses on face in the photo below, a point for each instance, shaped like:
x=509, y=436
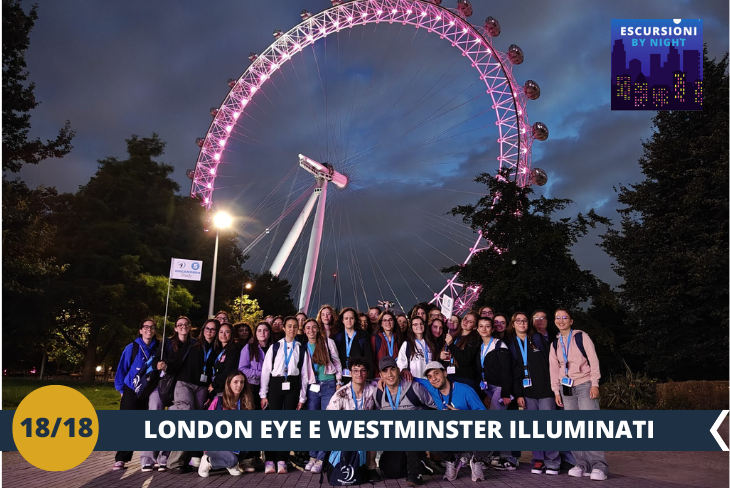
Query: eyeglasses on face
x=186, y=325
x=500, y=322
x=564, y=317
x=210, y=329
x=359, y=371
x=148, y=327
x=539, y=318
x=520, y=321
x=387, y=320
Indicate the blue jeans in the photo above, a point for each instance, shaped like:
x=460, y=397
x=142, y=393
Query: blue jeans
x=495, y=394
x=319, y=401
x=224, y=459
x=581, y=400
x=550, y=458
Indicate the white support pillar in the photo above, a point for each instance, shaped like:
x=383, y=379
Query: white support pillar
x=310, y=268
x=294, y=234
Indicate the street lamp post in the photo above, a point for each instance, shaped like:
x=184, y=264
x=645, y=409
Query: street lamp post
x=221, y=220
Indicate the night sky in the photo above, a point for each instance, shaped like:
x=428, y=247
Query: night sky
x=399, y=110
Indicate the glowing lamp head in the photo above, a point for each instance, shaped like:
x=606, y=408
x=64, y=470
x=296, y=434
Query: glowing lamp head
x=222, y=220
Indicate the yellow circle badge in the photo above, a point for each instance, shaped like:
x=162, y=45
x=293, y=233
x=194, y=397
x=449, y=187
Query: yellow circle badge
x=55, y=428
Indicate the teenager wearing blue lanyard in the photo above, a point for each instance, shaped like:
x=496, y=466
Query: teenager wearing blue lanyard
x=193, y=370
x=327, y=374
x=236, y=396
x=386, y=339
x=416, y=352
x=352, y=342
x=402, y=394
x=531, y=385
x=226, y=354
x=146, y=345
x=574, y=376
x=452, y=395
x=285, y=375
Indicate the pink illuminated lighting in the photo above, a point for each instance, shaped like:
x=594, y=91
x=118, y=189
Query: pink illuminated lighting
x=507, y=96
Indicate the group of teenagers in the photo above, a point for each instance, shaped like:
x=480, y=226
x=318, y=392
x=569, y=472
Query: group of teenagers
x=379, y=360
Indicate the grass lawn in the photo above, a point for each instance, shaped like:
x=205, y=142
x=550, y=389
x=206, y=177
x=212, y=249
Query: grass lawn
x=102, y=396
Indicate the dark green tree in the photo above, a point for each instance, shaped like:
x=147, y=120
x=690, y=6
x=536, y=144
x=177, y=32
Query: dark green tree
x=672, y=246
x=272, y=294
x=117, y=233
x=529, y=263
x=18, y=97
x=28, y=264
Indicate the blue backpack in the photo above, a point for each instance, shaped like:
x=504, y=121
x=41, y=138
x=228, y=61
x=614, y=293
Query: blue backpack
x=345, y=468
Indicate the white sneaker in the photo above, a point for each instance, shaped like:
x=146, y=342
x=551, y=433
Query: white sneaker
x=269, y=469
x=575, y=472
x=235, y=471
x=451, y=472
x=309, y=465
x=281, y=467
x=195, y=462
x=598, y=475
x=317, y=467
x=477, y=470
x=204, y=467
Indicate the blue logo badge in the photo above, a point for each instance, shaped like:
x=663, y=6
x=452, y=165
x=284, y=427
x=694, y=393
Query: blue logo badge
x=656, y=64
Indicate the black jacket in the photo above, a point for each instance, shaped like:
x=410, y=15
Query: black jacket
x=360, y=348
x=497, y=367
x=538, y=364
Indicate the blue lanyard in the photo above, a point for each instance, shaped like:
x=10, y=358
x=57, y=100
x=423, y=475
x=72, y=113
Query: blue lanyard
x=448, y=398
x=148, y=360
x=205, y=359
x=390, y=343
x=484, y=351
x=523, y=351
x=348, y=343
x=238, y=404
x=390, y=398
x=424, y=348
x=565, y=350
x=219, y=356
x=362, y=401
x=287, y=357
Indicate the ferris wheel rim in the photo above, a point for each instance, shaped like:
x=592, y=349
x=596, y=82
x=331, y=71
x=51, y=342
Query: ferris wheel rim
x=515, y=145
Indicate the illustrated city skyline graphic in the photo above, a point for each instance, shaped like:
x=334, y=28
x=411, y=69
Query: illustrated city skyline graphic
x=671, y=82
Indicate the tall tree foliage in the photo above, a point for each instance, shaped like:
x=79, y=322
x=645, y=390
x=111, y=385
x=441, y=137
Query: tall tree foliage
x=529, y=263
x=28, y=264
x=117, y=234
x=18, y=97
x=672, y=247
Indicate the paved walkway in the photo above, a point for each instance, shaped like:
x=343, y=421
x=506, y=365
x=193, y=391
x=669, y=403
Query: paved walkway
x=628, y=469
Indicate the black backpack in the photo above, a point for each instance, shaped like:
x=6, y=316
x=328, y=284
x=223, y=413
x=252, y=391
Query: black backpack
x=300, y=362
x=344, y=468
x=578, y=338
x=146, y=379
x=410, y=394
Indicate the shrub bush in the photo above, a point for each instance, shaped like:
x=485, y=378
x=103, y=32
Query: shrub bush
x=693, y=395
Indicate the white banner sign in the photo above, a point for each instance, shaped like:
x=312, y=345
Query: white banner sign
x=447, y=305
x=186, y=269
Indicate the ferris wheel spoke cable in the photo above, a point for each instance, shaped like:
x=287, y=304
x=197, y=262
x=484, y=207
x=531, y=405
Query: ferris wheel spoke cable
x=447, y=221
x=451, y=231
x=387, y=281
x=356, y=259
x=414, y=271
x=443, y=234
x=286, y=211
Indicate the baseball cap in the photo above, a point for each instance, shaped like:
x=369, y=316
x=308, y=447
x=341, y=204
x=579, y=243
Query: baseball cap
x=386, y=362
x=433, y=365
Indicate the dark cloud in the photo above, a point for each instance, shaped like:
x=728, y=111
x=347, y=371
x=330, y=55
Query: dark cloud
x=404, y=116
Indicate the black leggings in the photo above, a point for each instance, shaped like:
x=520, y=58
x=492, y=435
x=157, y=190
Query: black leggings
x=282, y=400
x=129, y=401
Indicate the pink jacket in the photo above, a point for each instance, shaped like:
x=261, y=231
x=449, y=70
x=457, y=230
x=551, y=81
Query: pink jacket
x=578, y=369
